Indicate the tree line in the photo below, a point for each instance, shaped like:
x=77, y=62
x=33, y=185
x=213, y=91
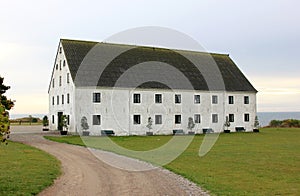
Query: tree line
x=285, y=123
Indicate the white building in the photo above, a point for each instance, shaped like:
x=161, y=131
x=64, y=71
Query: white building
x=118, y=87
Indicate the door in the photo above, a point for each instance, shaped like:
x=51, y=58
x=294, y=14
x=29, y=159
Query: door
x=59, y=124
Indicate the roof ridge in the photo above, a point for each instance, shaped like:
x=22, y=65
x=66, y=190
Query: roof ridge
x=144, y=46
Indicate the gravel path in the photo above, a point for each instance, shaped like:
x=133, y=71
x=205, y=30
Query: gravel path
x=87, y=174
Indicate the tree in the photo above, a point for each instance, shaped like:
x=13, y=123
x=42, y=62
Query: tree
x=84, y=123
x=256, y=122
x=191, y=123
x=5, y=105
x=45, y=121
x=149, y=125
x=227, y=123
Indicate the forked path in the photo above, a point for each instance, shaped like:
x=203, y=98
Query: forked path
x=85, y=174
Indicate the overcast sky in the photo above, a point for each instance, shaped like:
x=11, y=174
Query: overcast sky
x=262, y=37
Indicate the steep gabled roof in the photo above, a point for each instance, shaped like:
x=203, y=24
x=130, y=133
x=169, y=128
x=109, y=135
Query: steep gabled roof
x=76, y=51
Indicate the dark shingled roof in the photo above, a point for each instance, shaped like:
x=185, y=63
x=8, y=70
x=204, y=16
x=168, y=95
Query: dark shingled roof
x=76, y=51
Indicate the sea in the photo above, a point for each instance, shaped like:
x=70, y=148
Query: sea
x=264, y=118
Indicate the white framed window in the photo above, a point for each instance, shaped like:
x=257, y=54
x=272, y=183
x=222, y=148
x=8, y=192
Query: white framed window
x=59, y=50
x=197, y=118
x=68, y=119
x=231, y=117
x=56, y=67
x=246, y=117
x=177, y=119
x=158, y=98
x=230, y=100
x=53, y=100
x=136, y=98
x=214, y=118
x=97, y=119
x=64, y=63
x=177, y=98
x=62, y=99
x=57, y=101
x=53, y=82
x=60, y=65
x=214, y=99
x=52, y=119
x=136, y=119
x=158, y=119
x=96, y=97
x=246, y=99
x=196, y=99
x=59, y=80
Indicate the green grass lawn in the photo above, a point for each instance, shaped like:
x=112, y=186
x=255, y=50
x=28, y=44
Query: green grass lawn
x=265, y=163
x=25, y=170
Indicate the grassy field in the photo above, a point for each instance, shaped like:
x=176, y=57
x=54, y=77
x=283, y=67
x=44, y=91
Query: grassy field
x=265, y=163
x=25, y=170
x=25, y=124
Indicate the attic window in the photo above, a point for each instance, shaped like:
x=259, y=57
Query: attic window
x=56, y=66
x=59, y=50
x=60, y=65
x=64, y=63
x=68, y=78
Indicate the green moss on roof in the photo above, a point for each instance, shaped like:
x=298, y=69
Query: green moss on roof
x=234, y=79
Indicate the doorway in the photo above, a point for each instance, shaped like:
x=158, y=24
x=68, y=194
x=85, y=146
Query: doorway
x=59, y=124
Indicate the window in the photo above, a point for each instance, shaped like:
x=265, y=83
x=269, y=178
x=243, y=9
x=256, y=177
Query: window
x=64, y=63
x=59, y=80
x=177, y=98
x=59, y=50
x=52, y=119
x=177, y=119
x=96, y=97
x=68, y=77
x=231, y=117
x=57, y=100
x=53, y=83
x=60, y=65
x=215, y=118
x=136, y=98
x=246, y=117
x=96, y=119
x=62, y=99
x=68, y=119
x=136, y=119
x=56, y=67
x=230, y=100
x=53, y=100
x=158, y=119
x=197, y=118
x=196, y=98
x=214, y=99
x=68, y=98
x=158, y=98
x=246, y=99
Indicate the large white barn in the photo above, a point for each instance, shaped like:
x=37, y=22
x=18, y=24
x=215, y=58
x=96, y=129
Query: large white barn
x=118, y=87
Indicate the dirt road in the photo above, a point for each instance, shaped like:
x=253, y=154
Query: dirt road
x=84, y=174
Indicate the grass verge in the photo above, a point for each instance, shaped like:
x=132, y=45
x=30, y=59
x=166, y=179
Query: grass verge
x=26, y=170
x=265, y=163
